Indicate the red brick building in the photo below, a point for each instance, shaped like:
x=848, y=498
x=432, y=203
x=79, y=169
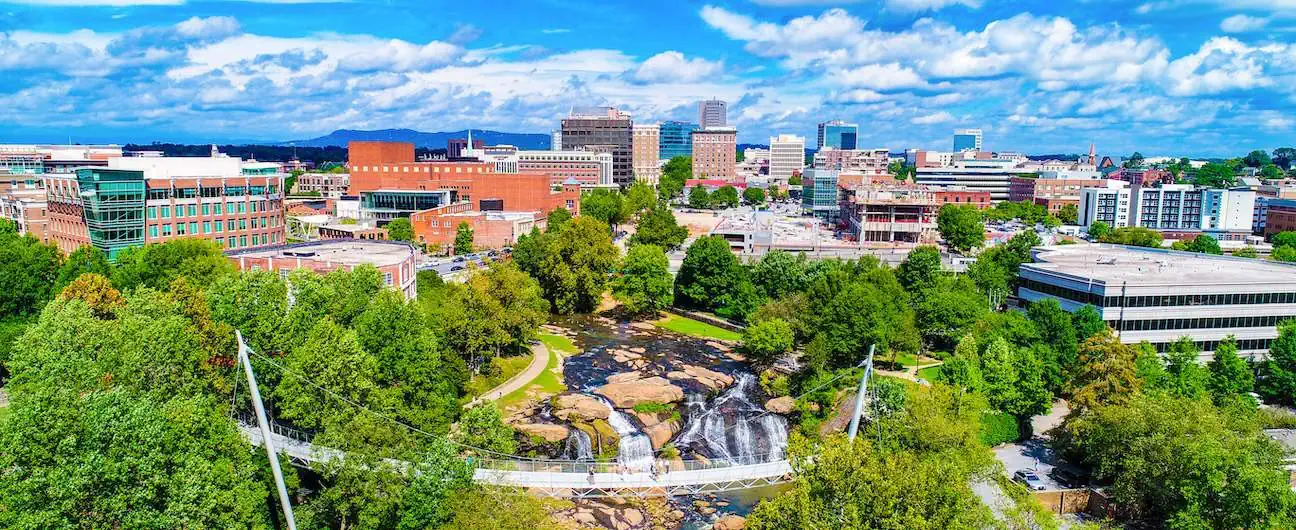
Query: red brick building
x=1279, y=219
x=1029, y=189
x=437, y=227
x=961, y=197
x=394, y=260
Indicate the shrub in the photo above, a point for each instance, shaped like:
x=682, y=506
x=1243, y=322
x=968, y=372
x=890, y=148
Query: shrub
x=654, y=408
x=775, y=384
x=998, y=428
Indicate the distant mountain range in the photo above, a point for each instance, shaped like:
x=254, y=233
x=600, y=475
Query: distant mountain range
x=432, y=140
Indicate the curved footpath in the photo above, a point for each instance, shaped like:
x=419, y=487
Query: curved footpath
x=539, y=360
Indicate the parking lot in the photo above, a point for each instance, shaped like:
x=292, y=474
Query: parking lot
x=1032, y=454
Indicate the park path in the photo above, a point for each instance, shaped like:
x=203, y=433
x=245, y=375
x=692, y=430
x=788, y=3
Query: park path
x=539, y=360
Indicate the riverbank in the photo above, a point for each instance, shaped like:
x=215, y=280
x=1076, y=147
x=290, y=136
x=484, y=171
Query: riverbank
x=540, y=357
x=547, y=381
x=695, y=328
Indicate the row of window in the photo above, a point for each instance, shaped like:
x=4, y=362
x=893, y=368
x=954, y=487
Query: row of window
x=209, y=191
x=1183, y=300
x=420, y=169
x=191, y=210
x=1212, y=345
x=208, y=227
x=1203, y=323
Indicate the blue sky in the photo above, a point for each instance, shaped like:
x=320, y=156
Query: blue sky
x=1175, y=77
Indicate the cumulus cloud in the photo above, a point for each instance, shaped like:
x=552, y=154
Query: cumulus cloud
x=402, y=56
x=934, y=118
x=1222, y=64
x=673, y=67
x=1242, y=24
x=925, y=5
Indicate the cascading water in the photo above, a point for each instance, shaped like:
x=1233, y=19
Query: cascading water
x=635, y=448
x=578, y=446
x=733, y=428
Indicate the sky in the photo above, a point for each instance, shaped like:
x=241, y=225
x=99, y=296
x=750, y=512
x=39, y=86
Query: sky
x=1164, y=77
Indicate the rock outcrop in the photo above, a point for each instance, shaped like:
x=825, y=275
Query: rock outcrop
x=548, y=431
x=660, y=427
x=578, y=407
x=730, y=522
x=781, y=405
x=711, y=379
x=650, y=390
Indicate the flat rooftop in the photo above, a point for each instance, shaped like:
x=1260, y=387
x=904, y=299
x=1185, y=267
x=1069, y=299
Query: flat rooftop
x=783, y=229
x=348, y=252
x=1114, y=264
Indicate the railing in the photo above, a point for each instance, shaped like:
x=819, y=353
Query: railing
x=662, y=465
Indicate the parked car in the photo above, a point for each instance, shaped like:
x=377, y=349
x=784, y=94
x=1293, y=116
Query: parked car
x=456, y=268
x=458, y=259
x=1070, y=476
x=1029, y=479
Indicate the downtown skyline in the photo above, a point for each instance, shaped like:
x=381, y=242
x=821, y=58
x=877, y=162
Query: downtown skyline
x=1192, y=77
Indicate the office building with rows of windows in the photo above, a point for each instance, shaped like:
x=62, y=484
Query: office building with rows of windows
x=138, y=200
x=1158, y=296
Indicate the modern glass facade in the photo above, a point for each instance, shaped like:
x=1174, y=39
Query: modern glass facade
x=819, y=194
x=967, y=140
x=390, y=204
x=113, y=203
x=676, y=139
x=838, y=135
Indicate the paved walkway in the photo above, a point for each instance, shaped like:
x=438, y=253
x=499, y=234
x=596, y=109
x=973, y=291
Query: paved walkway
x=539, y=360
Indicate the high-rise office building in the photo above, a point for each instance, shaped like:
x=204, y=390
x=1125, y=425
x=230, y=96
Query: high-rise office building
x=555, y=140
x=838, y=134
x=602, y=126
x=715, y=153
x=967, y=140
x=675, y=139
x=786, y=156
x=712, y=113
x=646, y=158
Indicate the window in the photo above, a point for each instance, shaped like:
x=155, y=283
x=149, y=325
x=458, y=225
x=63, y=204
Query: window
x=152, y=212
x=206, y=209
x=242, y=207
x=206, y=227
x=166, y=230
x=193, y=210
x=153, y=232
x=166, y=212
x=180, y=229
x=242, y=224
x=242, y=241
x=230, y=242
x=193, y=227
x=387, y=277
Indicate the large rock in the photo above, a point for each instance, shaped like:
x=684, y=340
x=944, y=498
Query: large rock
x=781, y=405
x=660, y=427
x=619, y=518
x=579, y=406
x=709, y=378
x=730, y=522
x=625, y=377
x=650, y=390
x=550, y=432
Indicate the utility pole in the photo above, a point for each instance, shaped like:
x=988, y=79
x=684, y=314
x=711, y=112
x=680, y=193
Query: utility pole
x=266, y=436
x=859, y=396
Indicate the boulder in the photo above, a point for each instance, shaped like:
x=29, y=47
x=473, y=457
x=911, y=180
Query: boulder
x=781, y=405
x=709, y=378
x=550, y=432
x=730, y=522
x=619, y=518
x=579, y=406
x=661, y=433
x=625, y=377
x=650, y=390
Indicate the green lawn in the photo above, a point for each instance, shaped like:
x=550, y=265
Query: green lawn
x=547, y=382
x=694, y=328
x=509, y=367
x=559, y=344
x=930, y=373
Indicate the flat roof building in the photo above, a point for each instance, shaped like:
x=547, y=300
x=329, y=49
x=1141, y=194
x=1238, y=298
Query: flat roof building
x=602, y=126
x=646, y=156
x=675, y=139
x=990, y=175
x=395, y=260
x=837, y=134
x=786, y=156
x=715, y=153
x=712, y=113
x=1159, y=295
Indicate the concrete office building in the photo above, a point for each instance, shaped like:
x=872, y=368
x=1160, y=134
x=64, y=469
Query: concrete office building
x=646, y=153
x=837, y=134
x=990, y=175
x=867, y=162
x=1109, y=204
x=328, y=185
x=1158, y=295
x=967, y=140
x=890, y=214
x=602, y=126
x=786, y=156
x=715, y=153
x=676, y=139
x=712, y=113
x=395, y=261
x=139, y=200
x=555, y=140
x=589, y=167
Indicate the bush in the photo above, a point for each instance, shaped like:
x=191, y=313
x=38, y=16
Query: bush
x=775, y=384
x=998, y=428
x=669, y=451
x=654, y=408
x=1276, y=418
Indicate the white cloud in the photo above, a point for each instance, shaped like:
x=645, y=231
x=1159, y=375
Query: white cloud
x=888, y=76
x=1222, y=64
x=208, y=28
x=672, y=66
x=1242, y=24
x=934, y=118
x=402, y=56
x=555, y=31
x=924, y=5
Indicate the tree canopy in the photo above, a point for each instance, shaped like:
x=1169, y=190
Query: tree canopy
x=961, y=226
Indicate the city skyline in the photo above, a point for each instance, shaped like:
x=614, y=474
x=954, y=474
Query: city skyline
x=1191, y=77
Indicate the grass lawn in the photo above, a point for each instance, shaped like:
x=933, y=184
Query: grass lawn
x=905, y=359
x=547, y=382
x=509, y=367
x=694, y=328
x=930, y=373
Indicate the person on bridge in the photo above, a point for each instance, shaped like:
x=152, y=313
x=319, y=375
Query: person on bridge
x=591, y=475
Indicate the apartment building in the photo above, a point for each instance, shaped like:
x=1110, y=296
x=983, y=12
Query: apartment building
x=715, y=153
x=1109, y=205
x=867, y=162
x=646, y=153
x=786, y=157
x=329, y=185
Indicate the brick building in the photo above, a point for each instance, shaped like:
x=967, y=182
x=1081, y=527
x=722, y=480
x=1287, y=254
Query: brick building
x=438, y=227
x=962, y=197
x=1031, y=188
x=394, y=260
x=715, y=153
x=646, y=155
x=331, y=185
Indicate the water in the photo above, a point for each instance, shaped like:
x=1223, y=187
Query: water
x=635, y=448
x=578, y=446
x=732, y=427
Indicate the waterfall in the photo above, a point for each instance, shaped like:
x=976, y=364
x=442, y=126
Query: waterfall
x=733, y=428
x=578, y=446
x=635, y=449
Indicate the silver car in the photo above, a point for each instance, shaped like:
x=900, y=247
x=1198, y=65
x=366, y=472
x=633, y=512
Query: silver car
x=1030, y=479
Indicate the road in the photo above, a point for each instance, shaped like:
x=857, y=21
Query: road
x=539, y=360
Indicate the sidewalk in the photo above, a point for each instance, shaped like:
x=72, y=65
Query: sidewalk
x=539, y=359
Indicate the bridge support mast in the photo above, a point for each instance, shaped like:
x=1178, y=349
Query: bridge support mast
x=266, y=435
x=859, y=396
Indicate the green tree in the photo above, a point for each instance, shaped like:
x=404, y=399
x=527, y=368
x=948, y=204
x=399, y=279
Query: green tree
x=1229, y=374
x=639, y=198
x=85, y=259
x=963, y=369
x=335, y=361
x=794, y=180
x=699, y=198
x=1283, y=253
x=1202, y=244
x=605, y=205
x=1213, y=175
x=1257, y=158
x=1246, y=252
x=1088, y=322
x=439, y=477
x=1099, y=230
x=1105, y=374
x=1135, y=161
x=765, y=341
x=645, y=285
x=961, y=227
x=1283, y=157
x=1187, y=377
x=400, y=229
x=1069, y=214
x=1284, y=239
x=726, y=196
x=1057, y=348
x=482, y=427
x=1277, y=383
x=753, y=196
x=571, y=264
x=780, y=273
x=556, y=219
x=658, y=227
x=675, y=173
x=920, y=268
x=463, y=242
x=496, y=312
x=479, y=508
x=28, y=270
x=156, y=265
x=1271, y=172
x=946, y=310
x=1133, y=235
x=704, y=276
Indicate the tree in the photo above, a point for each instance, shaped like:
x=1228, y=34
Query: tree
x=571, y=264
x=1133, y=235
x=1135, y=160
x=1088, y=322
x=463, y=242
x=658, y=227
x=96, y=291
x=1271, y=172
x=439, y=477
x=920, y=268
x=1284, y=239
x=1186, y=377
x=1284, y=253
x=1105, y=374
x=1098, y=230
x=1069, y=214
x=156, y=265
x=1277, y=382
x=556, y=219
x=400, y=229
x=1213, y=175
x=675, y=173
x=480, y=508
x=336, y=362
x=645, y=285
x=794, y=180
x=1229, y=374
x=482, y=427
x=780, y=273
x=753, y=196
x=1283, y=157
x=82, y=260
x=639, y=198
x=28, y=270
x=699, y=198
x=605, y=205
x=765, y=341
x=1257, y=158
x=726, y=196
x=961, y=226
x=946, y=309
x=1246, y=252
x=1202, y=244
x=704, y=276
x=1057, y=347
x=963, y=369
x=496, y=312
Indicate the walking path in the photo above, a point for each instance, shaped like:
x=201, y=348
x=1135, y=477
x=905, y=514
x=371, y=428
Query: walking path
x=539, y=359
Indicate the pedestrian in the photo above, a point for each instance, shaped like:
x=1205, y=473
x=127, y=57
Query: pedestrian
x=591, y=475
